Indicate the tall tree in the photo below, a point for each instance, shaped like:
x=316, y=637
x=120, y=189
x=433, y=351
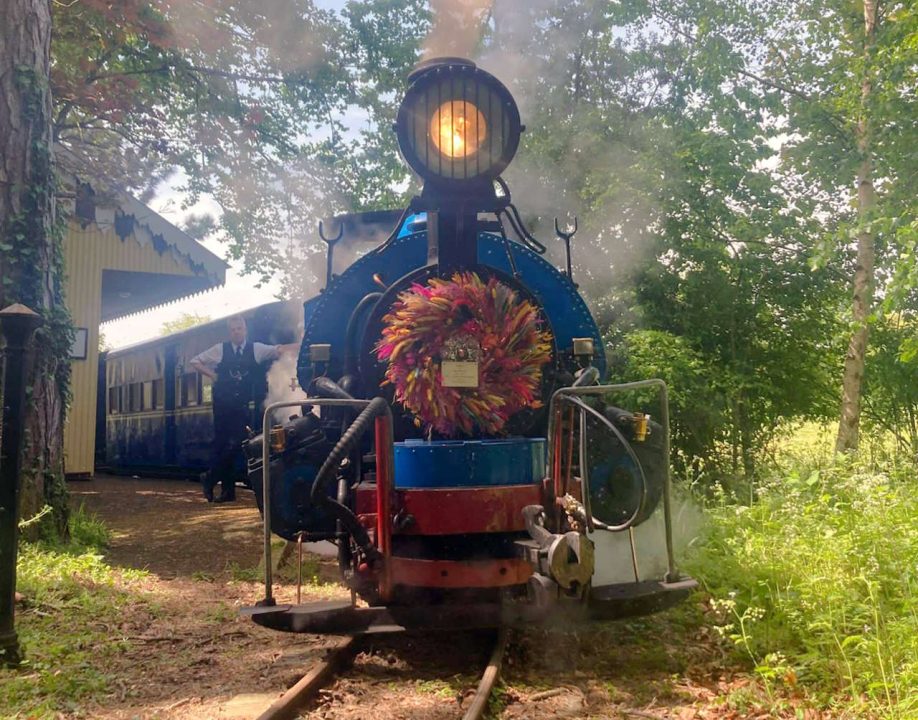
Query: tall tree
x=855, y=358
x=235, y=99
x=30, y=252
x=847, y=73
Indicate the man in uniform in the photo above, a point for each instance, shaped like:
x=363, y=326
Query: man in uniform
x=236, y=367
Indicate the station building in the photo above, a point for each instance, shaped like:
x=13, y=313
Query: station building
x=121, y=258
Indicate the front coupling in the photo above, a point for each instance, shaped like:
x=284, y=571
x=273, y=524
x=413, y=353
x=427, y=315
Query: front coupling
x=567, y=559
x=570, y=560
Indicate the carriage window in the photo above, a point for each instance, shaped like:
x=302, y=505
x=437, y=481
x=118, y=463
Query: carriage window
x=148, y=395
x=158, y=397
x=207, y=390
x=135, y=397
x=114, y=400
x=191, y=389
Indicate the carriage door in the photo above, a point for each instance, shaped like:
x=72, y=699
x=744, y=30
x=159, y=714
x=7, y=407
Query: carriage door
x=169, y=434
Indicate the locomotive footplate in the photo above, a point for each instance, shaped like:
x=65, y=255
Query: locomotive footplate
x=610, y=602
x=343, y=618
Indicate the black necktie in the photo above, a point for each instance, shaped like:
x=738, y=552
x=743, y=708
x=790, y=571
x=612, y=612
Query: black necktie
x=239, y=353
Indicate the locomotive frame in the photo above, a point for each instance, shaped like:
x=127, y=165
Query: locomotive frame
x=447, y=532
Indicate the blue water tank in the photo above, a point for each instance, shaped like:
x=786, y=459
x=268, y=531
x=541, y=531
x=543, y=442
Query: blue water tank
x=469, y=463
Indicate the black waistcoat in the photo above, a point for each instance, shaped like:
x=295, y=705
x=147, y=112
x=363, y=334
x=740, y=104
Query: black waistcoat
x=236, y=376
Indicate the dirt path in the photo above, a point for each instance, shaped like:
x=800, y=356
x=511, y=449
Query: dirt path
x=188, y=654
x=166, y=527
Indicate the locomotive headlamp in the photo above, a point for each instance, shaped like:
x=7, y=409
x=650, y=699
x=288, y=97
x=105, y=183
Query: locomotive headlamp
x=457, y=125
x=458, y=129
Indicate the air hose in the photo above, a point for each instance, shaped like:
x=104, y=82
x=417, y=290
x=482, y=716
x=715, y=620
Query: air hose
x=326, y=475
x=589, y=377
x=327, y=388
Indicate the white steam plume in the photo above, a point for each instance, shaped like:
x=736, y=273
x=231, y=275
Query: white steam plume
x=283, y=387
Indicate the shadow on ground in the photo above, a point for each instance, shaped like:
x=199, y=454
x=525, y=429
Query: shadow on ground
x=167, y=528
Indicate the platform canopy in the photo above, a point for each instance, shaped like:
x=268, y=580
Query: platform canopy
x=124, y=291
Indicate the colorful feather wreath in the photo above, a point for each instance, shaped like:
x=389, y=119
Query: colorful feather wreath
x=511, y=345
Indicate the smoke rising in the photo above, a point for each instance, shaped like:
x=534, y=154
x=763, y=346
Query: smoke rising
x=456, y=28
x=587, y=153
x=283, y=387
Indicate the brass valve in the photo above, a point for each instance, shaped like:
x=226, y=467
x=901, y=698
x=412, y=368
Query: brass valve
x=641, y=426
x=278, y=438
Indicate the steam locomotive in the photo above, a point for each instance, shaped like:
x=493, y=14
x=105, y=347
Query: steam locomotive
x=458, y=446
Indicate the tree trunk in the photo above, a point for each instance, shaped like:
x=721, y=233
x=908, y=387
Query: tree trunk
x=852, y=378
x=30, y=251
x=746, y=441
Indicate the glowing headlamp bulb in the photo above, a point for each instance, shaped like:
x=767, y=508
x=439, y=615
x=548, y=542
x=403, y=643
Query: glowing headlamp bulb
x=458, y=129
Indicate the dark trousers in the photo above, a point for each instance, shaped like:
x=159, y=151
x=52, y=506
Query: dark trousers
x=230, y=421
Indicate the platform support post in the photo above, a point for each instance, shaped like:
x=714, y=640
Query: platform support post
x=17, y=323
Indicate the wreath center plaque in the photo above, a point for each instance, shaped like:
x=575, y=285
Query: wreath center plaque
x=459, y=366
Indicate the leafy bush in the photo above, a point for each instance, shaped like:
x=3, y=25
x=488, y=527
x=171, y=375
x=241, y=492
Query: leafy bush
x=696, y=406
x=817, y=581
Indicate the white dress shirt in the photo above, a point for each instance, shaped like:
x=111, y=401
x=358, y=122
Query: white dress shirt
x=213, y=356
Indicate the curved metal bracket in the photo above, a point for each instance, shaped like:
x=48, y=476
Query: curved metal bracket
x=331, y=242
x=566, y=237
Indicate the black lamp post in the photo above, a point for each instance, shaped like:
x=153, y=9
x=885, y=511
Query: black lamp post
x=17, y=323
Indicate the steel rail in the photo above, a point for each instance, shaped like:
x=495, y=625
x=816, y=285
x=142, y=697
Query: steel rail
x=288, y=705
x=488, y=679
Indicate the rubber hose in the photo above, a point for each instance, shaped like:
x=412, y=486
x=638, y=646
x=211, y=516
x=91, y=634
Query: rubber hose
x=319, y=494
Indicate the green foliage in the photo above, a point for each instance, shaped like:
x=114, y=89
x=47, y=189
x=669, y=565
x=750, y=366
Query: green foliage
x=645, y=121
x=74, y=603
x=695, y=417
x=891, y=394
x=815, y=582
x=243, y=574
x=183, y=322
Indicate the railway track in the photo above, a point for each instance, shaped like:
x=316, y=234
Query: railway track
x=341, y=656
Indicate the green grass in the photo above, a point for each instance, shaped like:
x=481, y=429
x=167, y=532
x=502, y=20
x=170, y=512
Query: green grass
x=87, y=530
x=439, y=688
x=815, y=581
x=70, y=622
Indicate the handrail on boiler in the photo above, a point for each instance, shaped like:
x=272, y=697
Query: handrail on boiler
x=266, y=474
x=558, y=396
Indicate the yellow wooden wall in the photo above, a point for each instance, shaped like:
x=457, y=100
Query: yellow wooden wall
x=87, y=252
